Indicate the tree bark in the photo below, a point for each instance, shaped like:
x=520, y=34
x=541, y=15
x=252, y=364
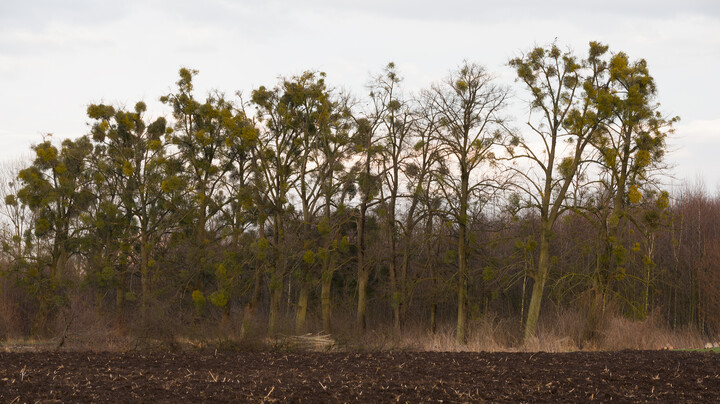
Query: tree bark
x=252, y=305
x=300, y=321
x=325, y=300
x=276, y=278
x=144, y=273
x=540, y=279
x=363, y=277
x=363, y=271
x=461, y=335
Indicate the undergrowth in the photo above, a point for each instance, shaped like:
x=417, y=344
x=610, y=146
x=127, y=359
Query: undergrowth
x=82, y=329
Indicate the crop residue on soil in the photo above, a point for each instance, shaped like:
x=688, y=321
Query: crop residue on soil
x=365, y=377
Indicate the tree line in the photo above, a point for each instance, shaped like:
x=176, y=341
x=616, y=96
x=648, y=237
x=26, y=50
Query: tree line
x=429, y=207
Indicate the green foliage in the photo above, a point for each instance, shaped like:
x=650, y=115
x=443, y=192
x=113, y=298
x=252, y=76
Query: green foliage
x=488, y=274
x=396, y=299
x=450, y=256
x=324, y=226
x=634, y=195
x=199, y=300
x=309, y=257
x=567, y=167
x=219, y=298
x=11, y=200
x=344, y=245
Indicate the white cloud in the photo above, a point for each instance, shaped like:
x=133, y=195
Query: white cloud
x=52, y=39
x=700, y=131
x=693, y=151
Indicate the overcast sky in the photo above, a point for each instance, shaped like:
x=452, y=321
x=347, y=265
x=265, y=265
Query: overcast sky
x=56, y=57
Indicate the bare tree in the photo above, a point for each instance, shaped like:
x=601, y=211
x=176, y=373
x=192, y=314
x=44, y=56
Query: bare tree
x=470, y=127
x=562, y=122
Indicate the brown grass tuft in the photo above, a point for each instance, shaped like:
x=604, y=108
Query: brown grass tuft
x=650, y=333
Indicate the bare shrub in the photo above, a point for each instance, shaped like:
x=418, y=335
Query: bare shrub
x=159, y=326
x=597, y=313
x=490, y=333
x=442, y=340
x=15, y=309
x=651, y=333
x=80, y=326
x=561, y=330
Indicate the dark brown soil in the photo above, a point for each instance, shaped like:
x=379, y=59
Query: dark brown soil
x=657, y=376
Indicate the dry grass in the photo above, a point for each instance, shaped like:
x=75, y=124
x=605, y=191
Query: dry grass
x=81, y=328
x=487, y=334
x=650, y=333
x=560, y=330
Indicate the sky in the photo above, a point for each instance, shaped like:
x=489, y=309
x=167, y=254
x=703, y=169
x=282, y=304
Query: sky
x=57, y=57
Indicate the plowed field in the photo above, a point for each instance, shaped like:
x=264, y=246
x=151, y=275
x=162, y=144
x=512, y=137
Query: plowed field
x=359, y=377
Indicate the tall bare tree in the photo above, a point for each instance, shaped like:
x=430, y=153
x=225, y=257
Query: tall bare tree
x=562, y=121
x=470, y=126
x=396, y=125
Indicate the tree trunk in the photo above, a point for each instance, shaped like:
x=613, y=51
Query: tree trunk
x=325, y=292
x=363, y=277
x=275, y=302
x=40, y=319
x=252, y=305
x=60, y=258
x=144, y=273
x=326, y=302
x=404, y=298
x=540, y=278
x=648, y=275
x=306, y=228
x=302, y=306
x=276, y=279
x=430, y=264
x=120, y=301
x=461, y=336
x=363, y=272
x=225, y=319
x=433, y=318
x=396, y=299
